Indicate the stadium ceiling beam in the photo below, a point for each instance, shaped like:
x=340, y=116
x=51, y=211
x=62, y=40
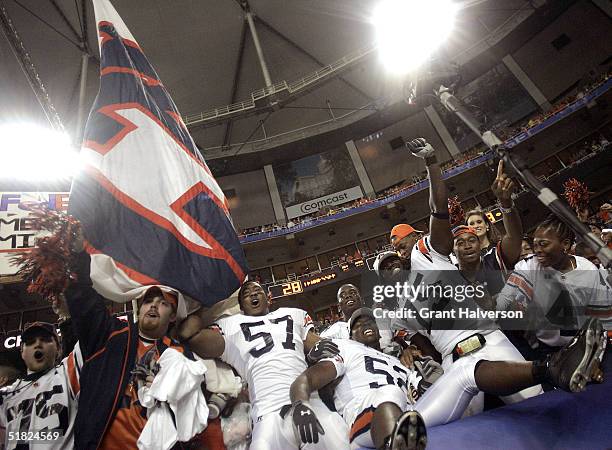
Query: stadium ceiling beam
x=239, y=60
x=309, y=55
x=29, y=69
x=33, y=14
x=61, y=13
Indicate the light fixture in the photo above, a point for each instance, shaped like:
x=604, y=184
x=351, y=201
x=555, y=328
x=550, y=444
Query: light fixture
x=409, y=31
x=33, y=153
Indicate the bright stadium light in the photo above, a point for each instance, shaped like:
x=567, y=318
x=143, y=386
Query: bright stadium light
x=34, y=153
x=409, y=31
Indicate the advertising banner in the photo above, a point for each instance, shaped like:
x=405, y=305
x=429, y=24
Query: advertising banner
x=16, y=229
x=312, y=206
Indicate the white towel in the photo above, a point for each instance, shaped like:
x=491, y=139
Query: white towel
x=177, y=387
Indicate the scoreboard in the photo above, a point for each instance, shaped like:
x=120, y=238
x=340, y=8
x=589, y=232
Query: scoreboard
x=495, y=215
x=310, y=281
x=284, y=289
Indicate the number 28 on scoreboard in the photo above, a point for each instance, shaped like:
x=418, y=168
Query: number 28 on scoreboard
x=284, y=289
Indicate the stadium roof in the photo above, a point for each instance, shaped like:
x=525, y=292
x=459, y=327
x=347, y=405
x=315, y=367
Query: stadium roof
x=204, y=53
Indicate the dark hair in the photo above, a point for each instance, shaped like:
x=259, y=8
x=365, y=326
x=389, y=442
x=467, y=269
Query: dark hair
x=492, y=233
x=581, y=249
x=243, y=287
x=560, y=228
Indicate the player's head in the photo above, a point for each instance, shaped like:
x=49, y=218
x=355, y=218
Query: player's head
x=552, y=242
x=526, y=246
x=388, y=266
x=363, y=328
x=156, y=310
x=403, y=237
x=253, y=299
x=586, y=252
x=478, y=220
x=596, y=226
x=8, y=375
x=349, y=299
x=466, y=245
x=40, y=349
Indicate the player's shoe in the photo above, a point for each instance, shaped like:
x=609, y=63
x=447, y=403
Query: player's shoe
x=572, y=367
x=409, y=433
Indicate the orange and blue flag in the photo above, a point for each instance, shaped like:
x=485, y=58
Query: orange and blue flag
x=151, y=210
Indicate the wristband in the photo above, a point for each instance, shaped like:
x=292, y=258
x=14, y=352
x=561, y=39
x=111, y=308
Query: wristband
x=505, y=210
x=441, y=215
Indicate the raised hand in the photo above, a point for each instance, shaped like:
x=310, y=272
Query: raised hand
x=306, y=423
x=503, y=187
x=421, y=148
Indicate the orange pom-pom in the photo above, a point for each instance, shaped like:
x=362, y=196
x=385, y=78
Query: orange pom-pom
x=47, y=265
x=576, y=193
x=455, y=211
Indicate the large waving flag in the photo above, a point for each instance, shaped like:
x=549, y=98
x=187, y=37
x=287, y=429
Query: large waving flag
x=151, y=211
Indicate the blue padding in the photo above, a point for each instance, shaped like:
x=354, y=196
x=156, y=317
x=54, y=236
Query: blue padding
x=554, y=420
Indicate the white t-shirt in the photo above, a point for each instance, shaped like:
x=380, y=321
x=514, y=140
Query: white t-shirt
x=268, y=352
x=364, y=369
x=44, y=405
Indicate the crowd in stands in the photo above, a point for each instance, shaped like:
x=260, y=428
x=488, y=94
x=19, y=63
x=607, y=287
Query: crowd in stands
x=503, y=132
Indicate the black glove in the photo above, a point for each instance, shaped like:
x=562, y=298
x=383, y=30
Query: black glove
x=307, y=423
x=321, y=350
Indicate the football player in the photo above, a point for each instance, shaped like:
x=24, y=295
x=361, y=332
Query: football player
x=491, y=268
x=373, y=389
x=556, y=287
x=267, y=349
x=349, y=299
x=38, y=410
x=429, y=263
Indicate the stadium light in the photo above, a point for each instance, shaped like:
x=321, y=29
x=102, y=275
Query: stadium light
x=408, y=31
x=33, y=153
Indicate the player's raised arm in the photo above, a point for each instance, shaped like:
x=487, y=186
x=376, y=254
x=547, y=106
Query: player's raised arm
x=206, y=343
x=503, y=187
x=439, y=226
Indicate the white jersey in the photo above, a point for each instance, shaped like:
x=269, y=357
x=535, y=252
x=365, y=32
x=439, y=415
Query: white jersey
x=268, y=352
x=364, y=369
x=533, y=286
x=337, y=330
x=45, y=405
x=429, y=267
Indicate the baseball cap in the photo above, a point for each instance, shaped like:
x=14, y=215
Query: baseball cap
x=168, y=296
x=400, y=231
x=463, y=229
x=359, y=313
x=35, y=327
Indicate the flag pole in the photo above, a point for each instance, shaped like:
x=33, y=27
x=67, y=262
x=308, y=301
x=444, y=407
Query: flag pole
x=543, y=193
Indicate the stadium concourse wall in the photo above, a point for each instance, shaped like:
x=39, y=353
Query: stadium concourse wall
x=423, y=185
